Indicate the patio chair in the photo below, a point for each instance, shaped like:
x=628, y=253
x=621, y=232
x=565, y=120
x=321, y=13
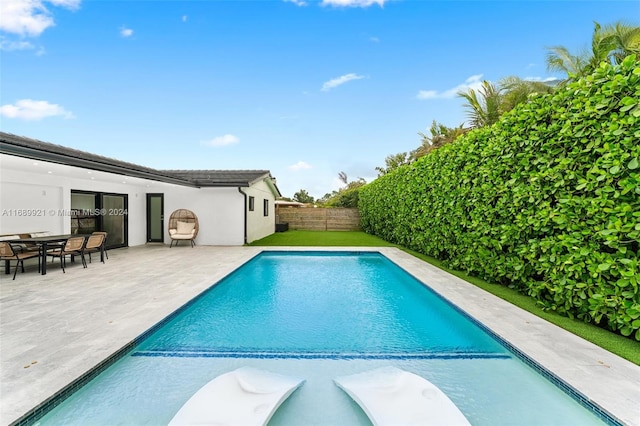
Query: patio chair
x=183, y=226
x=73, y=247
x=24, y=246
x=94, y=245
x=104, y=242
x=7, y=253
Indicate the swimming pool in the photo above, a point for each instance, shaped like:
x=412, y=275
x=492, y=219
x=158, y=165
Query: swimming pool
x=318, y=316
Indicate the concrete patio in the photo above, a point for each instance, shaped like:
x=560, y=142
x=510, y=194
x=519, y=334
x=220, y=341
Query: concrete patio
x=56, y=327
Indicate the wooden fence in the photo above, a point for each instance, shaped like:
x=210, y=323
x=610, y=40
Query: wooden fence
x=320, y=219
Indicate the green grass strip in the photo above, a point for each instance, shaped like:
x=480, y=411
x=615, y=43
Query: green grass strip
x=617, y=344
x=322, y=239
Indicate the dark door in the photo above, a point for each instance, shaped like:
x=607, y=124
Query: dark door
x=114, y=212
x=155, y=218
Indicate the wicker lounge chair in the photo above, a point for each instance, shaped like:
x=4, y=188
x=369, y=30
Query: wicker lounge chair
x=8, y=253
x=183, y=226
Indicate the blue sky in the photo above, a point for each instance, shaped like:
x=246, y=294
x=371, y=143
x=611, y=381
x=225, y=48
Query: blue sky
x=305, y=89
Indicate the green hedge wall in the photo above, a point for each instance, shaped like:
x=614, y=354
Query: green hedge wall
x=547, y=200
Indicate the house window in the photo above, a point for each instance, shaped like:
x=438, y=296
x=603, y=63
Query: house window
x=252, y=202
x=266, y=207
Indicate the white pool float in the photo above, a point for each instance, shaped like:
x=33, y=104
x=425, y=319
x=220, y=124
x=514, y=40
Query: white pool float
x=391, y=396
x=246, y=396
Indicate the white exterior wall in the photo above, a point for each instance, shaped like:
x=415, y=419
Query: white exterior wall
x=34, y=196
x=259, y=225
x=219, y=212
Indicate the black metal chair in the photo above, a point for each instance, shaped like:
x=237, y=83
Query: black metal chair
x=8, y=253
x=104, y=242
x=94, y=244
x=73, y=247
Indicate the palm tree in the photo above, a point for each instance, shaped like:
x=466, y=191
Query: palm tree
x=615, y=42
x=517, y=91
x=486, y=110
x=611, y=43
x=440, y=135
x=394, y=161
x=343, y=177
x=485, y=106
x=560, y=59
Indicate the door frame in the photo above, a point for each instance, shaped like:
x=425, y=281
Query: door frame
x=151, y=195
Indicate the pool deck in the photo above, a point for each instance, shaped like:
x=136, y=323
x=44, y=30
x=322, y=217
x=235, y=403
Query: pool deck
x=56, y=327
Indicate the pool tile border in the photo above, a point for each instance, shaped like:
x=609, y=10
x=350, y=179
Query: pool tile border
x=186, y=353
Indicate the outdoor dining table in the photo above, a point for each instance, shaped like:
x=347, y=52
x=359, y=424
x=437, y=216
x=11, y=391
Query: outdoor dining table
x=43, y=246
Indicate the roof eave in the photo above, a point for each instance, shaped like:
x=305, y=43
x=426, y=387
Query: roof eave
x=222, y=185
x=270, y=181
x=260, y=178
x=37, y=154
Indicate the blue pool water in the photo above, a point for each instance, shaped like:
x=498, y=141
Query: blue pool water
x=318, y=315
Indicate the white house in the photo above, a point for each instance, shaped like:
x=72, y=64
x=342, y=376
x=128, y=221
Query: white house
x=52, y=188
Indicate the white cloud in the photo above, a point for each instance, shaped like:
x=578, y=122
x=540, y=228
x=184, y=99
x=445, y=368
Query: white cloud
x=9, y=45
x=300, y=165
x=374, y=39
x=297, y=2
x=126, y=32
x=69, y=4
x=352, y=3
x=28, y=109
x=30, y=17
x=340, y=80
x=223, y=140
x=427, y=94
x=184, y=18
x=474, y=82
x=24, y=17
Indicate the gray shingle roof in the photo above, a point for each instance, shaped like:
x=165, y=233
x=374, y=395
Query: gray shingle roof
x=220, y=177
x=32, y=148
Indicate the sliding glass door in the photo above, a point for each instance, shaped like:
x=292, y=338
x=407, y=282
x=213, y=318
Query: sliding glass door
x=84, y=213
x=100, y=211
